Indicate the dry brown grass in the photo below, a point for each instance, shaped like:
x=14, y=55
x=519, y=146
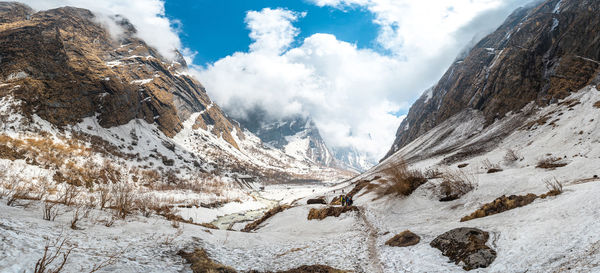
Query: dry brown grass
x=456, y=184
x=550, y=163
x=554, y=186
x=597, y=104
x=400, y=180
x=501, y=204
x=511, y=156
x=322, y=213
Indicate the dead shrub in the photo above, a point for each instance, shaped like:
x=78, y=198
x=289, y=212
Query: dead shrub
x=123, y=195
x=104, y=191
x=144, y=204
x=401, y=180
x=550, y=163
x=554, y=187
x=78, y=214
x=69, y=194
x=433, y=173
x=511, y=156
x=456, y=184
x=59, y=252
x=490, y=167
x=51, y=211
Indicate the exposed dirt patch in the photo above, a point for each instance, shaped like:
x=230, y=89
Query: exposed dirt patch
x=404, y=239
x=597, y=104
x=466, y=246
x=460, y=166
x=323, y=213
x=252, y=226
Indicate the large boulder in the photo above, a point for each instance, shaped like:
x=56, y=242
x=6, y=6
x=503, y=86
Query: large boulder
x=405, y=238
x=466, y=246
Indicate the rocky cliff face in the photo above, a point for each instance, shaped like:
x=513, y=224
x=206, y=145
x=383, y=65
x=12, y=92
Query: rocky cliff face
x=64, y=67
x=539, y=54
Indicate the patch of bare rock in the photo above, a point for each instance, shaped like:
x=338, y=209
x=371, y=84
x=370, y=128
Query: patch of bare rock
x=466, y=246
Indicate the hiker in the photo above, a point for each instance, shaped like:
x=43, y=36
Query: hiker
x=349, y=201
x=342, y=200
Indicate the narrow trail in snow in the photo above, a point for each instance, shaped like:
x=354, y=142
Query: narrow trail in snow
x=374, y=261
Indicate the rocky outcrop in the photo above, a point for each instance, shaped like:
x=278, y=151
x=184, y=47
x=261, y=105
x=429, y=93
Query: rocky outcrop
x=64, y=67
x=466, y=246
x=404, y=239
x=539, y=54
x=323, y=213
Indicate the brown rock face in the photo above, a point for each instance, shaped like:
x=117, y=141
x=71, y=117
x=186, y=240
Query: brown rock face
x=64, y=67
x=404, y=239
x=539, y=54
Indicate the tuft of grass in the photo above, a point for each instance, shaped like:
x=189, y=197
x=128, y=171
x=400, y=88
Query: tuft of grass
x=456, y=184
x=597, y=104
x=400, y=180
x=554, y=187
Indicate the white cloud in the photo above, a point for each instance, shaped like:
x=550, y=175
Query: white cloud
x=351, y=93
x=271, y=29
x=148, y=16
x=346, y=90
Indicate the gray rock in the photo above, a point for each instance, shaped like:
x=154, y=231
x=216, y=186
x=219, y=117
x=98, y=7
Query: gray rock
x=466, y=246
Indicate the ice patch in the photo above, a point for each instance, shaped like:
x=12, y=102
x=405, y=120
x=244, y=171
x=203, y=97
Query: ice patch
x=17, y=76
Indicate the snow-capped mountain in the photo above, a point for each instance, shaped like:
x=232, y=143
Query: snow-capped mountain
x=350, y=158
x=297, y=136
x=66, y=80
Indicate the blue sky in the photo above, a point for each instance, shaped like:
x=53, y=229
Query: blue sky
x=215, y=29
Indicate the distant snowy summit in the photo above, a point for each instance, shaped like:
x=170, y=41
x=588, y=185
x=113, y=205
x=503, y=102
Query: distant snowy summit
x=299, y=137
